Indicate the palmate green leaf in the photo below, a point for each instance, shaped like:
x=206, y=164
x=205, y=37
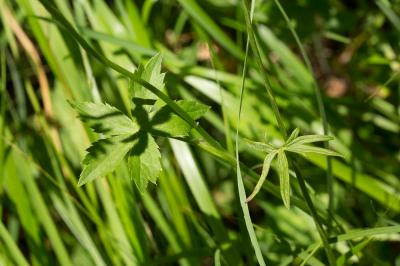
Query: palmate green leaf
x=166, y=123
x=292, y=144
x=104, y=156
x=104, y=118
x=150, y=72
x=134, y=136
x=284, y=179
x=144, y=161
x=266, y=166
x=310, y=149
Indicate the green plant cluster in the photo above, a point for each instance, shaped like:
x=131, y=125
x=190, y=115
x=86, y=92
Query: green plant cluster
x=158, y=132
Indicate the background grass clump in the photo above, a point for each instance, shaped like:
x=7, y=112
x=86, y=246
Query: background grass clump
x=185, y=104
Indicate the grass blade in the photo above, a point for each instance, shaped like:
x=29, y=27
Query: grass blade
x=241, y=190
x=217, y=258
x=12, y=246
x=201, y=193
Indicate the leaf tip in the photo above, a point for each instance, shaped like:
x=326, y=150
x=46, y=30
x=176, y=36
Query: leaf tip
x=287, y=204
x=330, y=138
x=81, y=182
x=249, y=198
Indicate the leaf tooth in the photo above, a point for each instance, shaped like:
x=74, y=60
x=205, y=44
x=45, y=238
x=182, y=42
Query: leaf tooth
x=103, y=157
x=144, y=165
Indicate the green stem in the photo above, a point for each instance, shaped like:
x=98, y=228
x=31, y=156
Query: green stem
x=320, y=104
x=282, y=129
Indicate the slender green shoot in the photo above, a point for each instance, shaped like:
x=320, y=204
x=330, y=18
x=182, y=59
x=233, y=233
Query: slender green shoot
x=320, y=104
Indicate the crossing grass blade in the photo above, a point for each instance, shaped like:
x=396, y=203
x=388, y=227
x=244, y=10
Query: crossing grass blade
x=201, y=194
x=12, y=246
x=239, y=178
